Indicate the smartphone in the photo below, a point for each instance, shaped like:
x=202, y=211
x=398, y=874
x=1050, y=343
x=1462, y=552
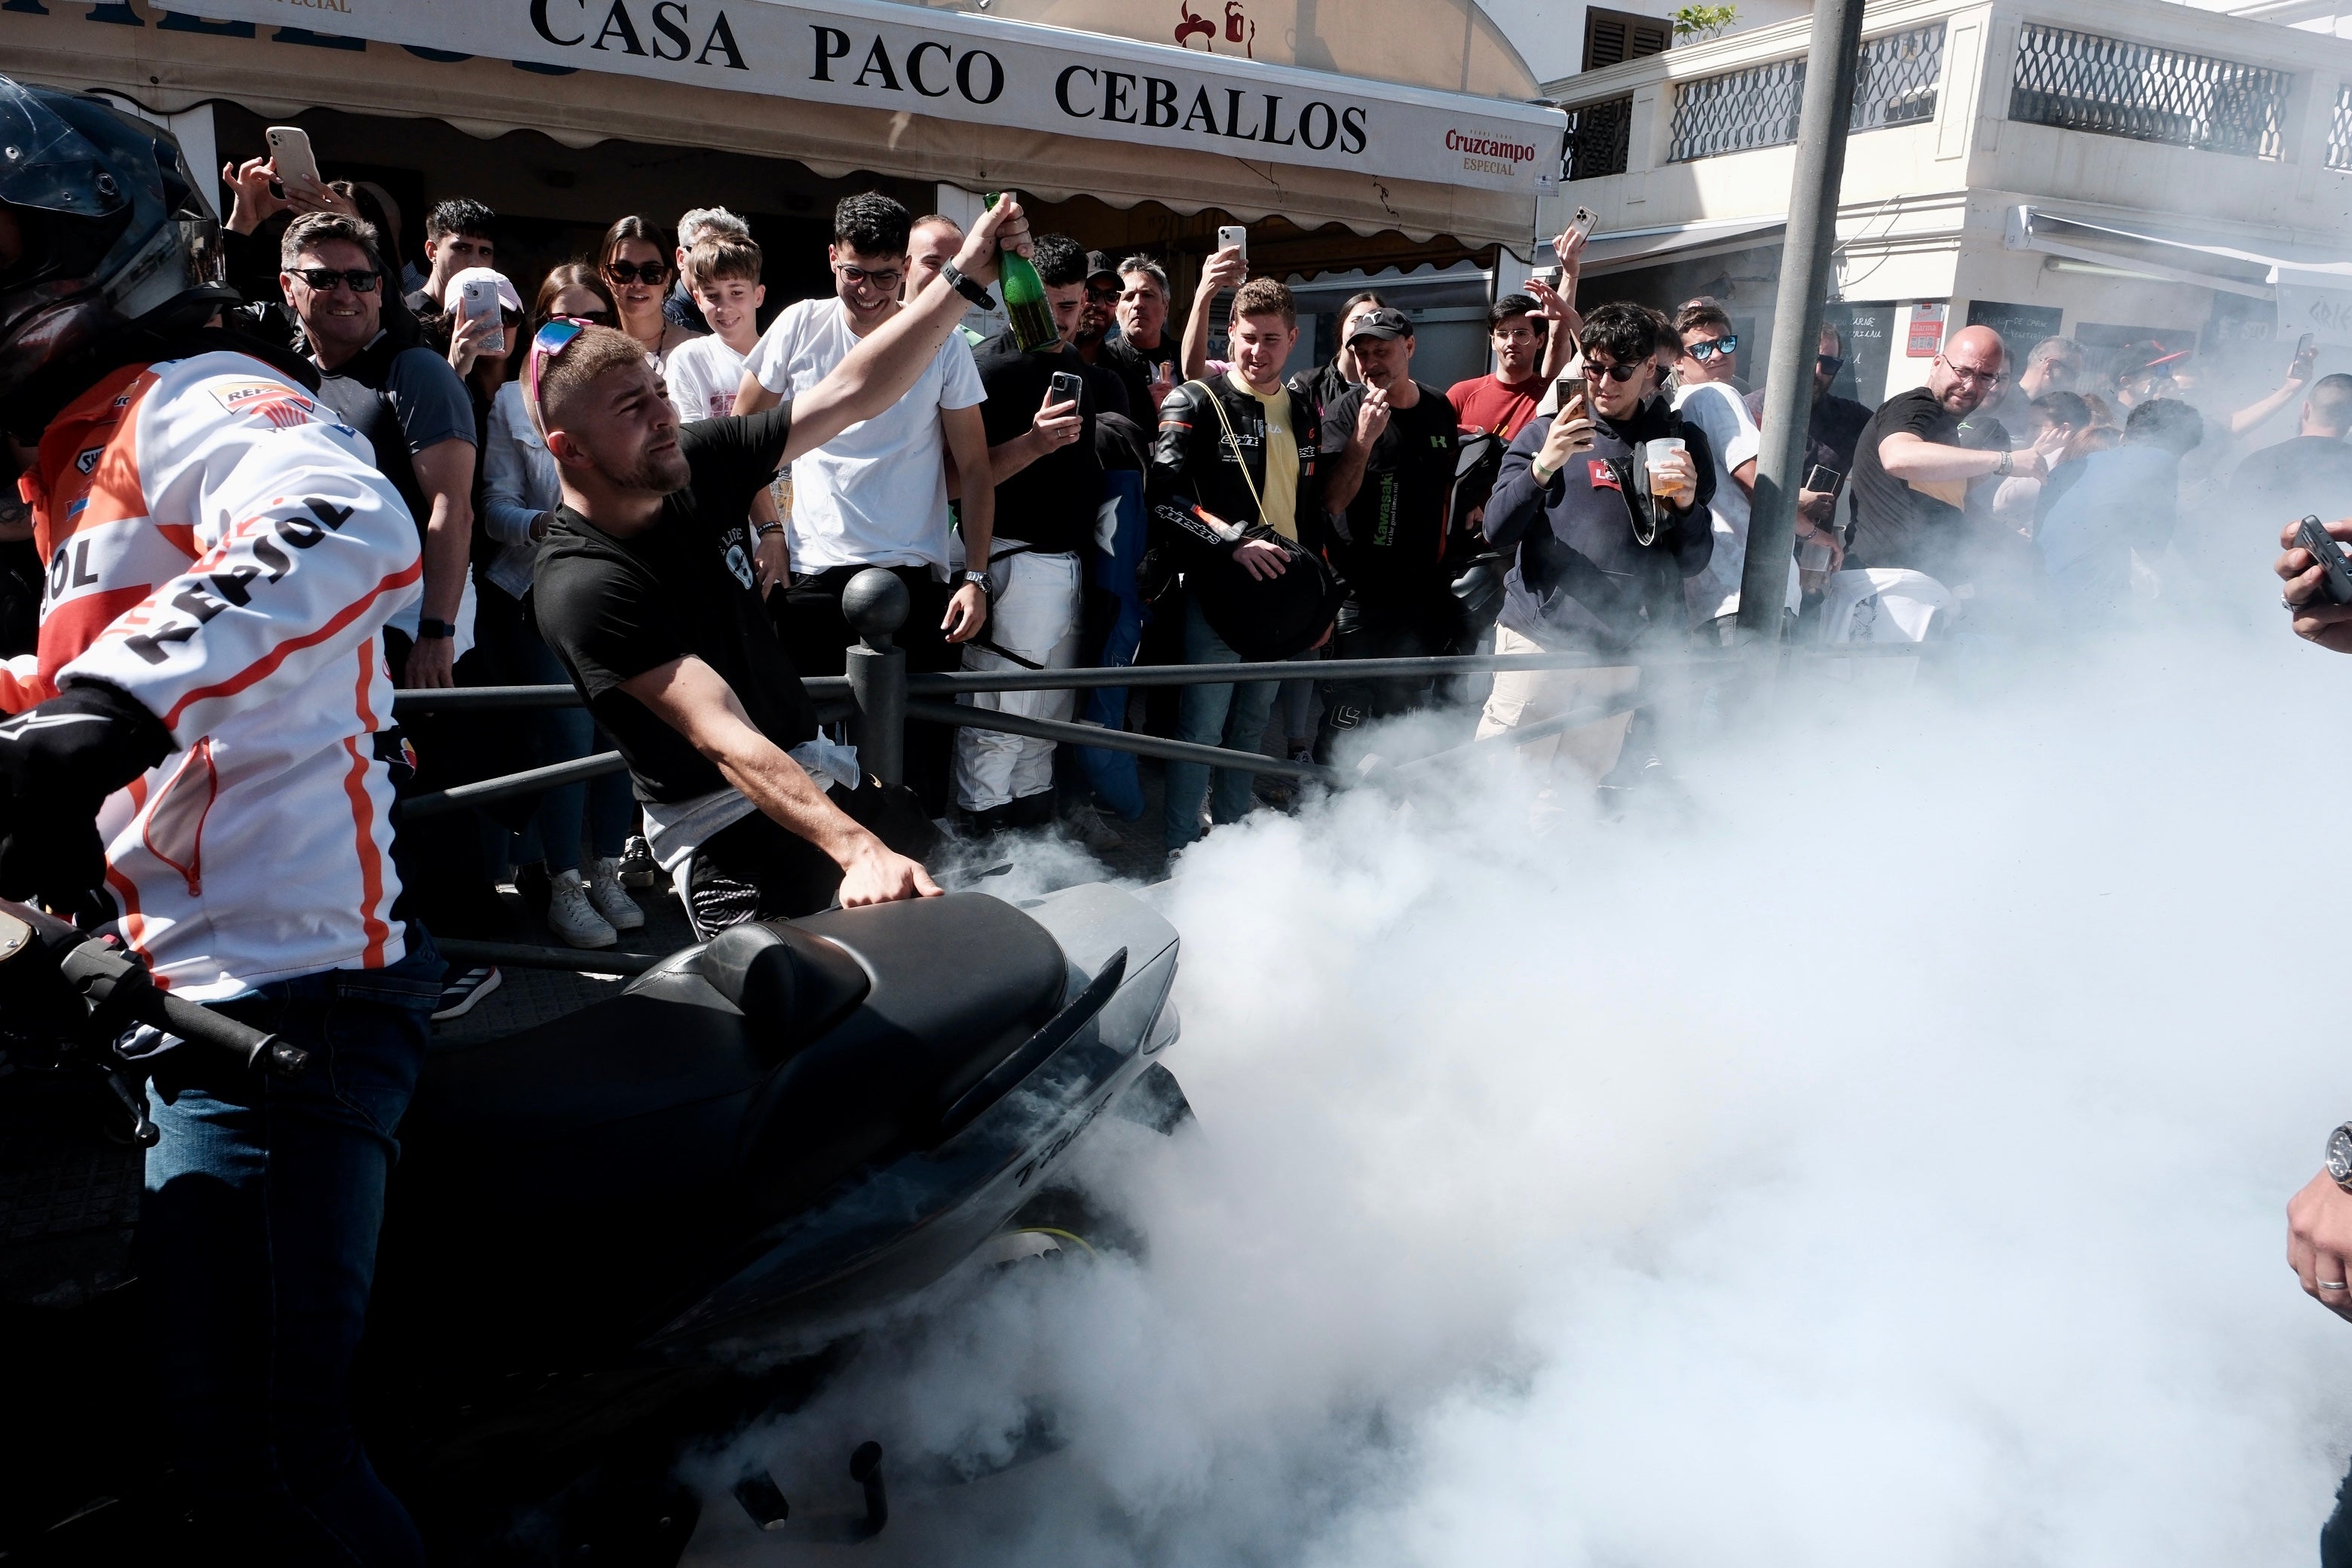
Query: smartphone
x=479, y=296
x=1571, y=386
x=289, y=149
x=1064, y=387
x=2335, y=582
x=2307, y=345
x=1234, y=236
x=1584, y=221
x=1822, y=478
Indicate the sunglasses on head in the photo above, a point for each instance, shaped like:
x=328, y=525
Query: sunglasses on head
x=1707, y=348
x=547, y=344
x=636, y=271
x=359, y=279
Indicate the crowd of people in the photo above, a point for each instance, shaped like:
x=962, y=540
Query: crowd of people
x=1123, y=495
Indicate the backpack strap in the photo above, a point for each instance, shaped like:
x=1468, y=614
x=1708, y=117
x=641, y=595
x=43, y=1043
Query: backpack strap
x=1232, y=440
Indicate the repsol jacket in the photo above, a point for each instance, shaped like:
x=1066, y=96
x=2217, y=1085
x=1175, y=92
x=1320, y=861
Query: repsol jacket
x=1580, y=576
x=1195, y=468
x=221, y=548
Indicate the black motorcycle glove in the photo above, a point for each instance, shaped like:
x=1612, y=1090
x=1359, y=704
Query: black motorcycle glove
x=58, y=761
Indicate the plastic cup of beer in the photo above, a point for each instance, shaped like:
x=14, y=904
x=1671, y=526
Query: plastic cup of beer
x=1667, y=488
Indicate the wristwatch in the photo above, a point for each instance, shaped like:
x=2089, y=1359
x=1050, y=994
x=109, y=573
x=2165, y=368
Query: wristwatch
x=977, y=293
x=978, y=580
x=2008, y=463
x=2339, y=1156
x=426, y=626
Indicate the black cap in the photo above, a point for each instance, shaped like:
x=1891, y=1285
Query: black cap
x=1383, y=323
x=1098, y=264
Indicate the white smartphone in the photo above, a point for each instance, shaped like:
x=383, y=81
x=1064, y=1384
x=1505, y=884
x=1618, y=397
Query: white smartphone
x=479, y=296
x=1583, y=222
x=1234, y=236
x=289, y=149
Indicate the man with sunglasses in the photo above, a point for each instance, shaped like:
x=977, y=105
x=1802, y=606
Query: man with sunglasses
x=333, y=282
x=1911, y=472
x=645, y=590
x=875, y=494
x=1708, y=398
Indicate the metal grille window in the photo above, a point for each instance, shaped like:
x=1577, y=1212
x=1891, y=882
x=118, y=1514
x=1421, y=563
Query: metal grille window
x=1598, y=138
x=1894, y=85
x=2113, y=87
x=2339, y=129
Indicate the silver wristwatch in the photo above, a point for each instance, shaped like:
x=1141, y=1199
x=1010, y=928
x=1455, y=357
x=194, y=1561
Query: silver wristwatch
x=2339, y=1156
x=978, y=580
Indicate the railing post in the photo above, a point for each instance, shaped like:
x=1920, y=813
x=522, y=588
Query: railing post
x=875, y=604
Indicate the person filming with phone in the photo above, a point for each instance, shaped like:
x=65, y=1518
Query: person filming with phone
x=1604, y=507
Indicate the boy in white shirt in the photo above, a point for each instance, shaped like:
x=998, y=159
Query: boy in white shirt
x=722, y=273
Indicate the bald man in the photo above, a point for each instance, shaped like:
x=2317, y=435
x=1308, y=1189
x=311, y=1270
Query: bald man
x=1911, y=472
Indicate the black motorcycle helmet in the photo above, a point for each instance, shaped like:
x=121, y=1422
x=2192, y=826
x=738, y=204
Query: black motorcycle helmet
x=101, y=225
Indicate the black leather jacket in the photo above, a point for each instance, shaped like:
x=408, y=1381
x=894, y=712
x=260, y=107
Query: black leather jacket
x=1195, y=468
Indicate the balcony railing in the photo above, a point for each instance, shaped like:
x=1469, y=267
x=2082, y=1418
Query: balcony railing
x=2339, y=129
x=1599, y=137
x=1739, y=111
x=2113, y=87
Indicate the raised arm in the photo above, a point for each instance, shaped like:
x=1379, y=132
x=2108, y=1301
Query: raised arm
x=696, y=700
x=880, y=369
x=1225, y=269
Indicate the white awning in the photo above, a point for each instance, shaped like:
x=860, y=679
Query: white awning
x=963, y=99
x=1630, y=247
x=2154, y=251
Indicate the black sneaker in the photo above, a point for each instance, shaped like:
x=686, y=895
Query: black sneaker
x=463, y=989
x=638, y=867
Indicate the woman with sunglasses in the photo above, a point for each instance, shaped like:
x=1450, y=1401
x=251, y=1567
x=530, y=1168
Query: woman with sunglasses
x=520, y=496
x=634, y=262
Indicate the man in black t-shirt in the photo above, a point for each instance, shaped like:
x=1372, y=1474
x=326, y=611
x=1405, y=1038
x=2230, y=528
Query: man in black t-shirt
x=1912, y=466
x=1049, y=490
x=1392, y=445
x=646, y=590
x=2310, y=472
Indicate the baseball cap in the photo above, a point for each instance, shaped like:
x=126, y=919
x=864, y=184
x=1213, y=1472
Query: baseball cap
x=1383, y=323
x=1099, y=265
x=508, y=297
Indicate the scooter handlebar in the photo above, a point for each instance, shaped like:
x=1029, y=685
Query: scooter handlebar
x=109, y=979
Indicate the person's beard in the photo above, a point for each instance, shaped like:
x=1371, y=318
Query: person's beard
x=657, y=473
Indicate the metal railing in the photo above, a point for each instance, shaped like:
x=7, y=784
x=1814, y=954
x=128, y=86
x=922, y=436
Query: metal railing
x=1599, y=137
x=2113, y=87
x=2339, y=129
x=1740, y=110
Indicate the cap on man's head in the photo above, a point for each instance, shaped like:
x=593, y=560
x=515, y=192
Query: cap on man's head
x=1383, y=323
x=1099, y=265
x=508, y=299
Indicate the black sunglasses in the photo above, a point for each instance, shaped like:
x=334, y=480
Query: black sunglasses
x=636, y=271
x=360, y=279
x=1706, y=349
x=1102, y=293
x=1831, y=363
x=1614, y=371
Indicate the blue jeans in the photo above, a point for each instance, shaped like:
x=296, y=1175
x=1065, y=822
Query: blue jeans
x=564, y=734
x=1232, y=717
x=257, y=1243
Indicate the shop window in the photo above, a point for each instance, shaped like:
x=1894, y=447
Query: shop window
x=1611, y=37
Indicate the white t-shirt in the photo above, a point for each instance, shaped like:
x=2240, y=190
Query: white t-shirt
x=1716, y=408
x=702, y=375
x=877, y=494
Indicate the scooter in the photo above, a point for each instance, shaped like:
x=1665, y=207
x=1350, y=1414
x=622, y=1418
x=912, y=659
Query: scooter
x=645, y=1224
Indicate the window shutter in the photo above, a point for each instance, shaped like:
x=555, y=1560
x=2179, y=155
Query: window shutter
x=1611, y=37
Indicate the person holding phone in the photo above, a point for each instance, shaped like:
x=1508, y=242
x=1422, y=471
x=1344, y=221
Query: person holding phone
x=1040, y=417
x=2311, y=472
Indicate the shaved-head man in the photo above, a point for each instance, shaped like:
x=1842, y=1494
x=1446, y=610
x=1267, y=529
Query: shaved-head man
x=1911, y=473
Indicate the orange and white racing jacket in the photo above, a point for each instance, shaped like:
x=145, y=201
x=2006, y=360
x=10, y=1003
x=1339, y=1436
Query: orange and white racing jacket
x=221, y=547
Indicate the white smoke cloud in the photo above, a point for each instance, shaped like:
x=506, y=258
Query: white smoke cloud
x=1879, y=1158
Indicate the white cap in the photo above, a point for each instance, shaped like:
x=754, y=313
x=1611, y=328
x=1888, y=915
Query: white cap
x=508, y=297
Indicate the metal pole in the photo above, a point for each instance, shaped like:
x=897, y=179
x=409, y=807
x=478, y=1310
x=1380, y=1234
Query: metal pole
x=875, y=604
x=1827, y=109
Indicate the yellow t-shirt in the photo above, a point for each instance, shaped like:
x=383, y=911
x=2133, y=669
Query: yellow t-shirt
x=1280, y=496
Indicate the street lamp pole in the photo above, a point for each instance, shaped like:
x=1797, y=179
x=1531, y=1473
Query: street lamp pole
x=1830, y=67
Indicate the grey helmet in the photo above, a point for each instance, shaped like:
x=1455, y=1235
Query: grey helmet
x=110, y=229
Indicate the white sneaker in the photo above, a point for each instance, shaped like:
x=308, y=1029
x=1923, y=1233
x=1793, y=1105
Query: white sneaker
x=611, y=899
x=570, y=916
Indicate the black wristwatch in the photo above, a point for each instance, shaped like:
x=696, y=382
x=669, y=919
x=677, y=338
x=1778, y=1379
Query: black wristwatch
x=426, y=626
x=977, y=293
x=978, y=580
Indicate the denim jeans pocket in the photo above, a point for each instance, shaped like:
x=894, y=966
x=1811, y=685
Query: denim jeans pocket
x=375, y=1033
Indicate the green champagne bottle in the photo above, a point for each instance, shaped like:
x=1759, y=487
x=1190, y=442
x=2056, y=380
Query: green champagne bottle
x=1024, y=299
